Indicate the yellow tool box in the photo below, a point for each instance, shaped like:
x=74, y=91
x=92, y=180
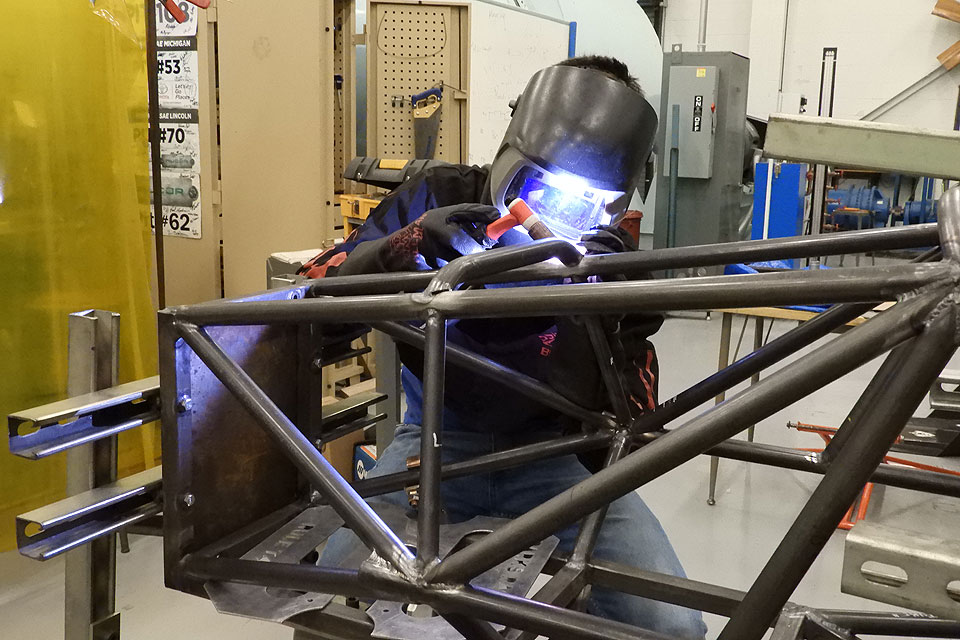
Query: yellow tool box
x=355, y=207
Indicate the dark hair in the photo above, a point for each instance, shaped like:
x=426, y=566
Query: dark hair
x=605, y=64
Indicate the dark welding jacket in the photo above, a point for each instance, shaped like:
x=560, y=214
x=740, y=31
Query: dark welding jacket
x=562, y=358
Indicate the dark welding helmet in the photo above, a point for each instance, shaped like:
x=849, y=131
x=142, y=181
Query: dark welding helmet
x=575, y=149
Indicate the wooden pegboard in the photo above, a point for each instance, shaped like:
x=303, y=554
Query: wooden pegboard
x=412, y=48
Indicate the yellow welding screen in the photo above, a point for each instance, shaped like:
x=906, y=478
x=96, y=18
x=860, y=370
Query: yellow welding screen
x=74, y=226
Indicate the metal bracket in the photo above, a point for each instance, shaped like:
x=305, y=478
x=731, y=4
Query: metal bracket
x=940, y=398
x=51, y=530
x=904, y=568
x=84, y=418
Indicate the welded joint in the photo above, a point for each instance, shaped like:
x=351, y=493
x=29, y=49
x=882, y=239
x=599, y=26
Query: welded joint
x=378, y=572
x=948, y=224
x=949, y=304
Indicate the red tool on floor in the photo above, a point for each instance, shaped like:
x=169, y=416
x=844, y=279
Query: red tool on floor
x=850, y=519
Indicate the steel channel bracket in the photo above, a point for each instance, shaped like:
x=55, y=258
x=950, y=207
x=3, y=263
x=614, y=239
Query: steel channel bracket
x=941, y=399
x=931, y=566
x=51, y=530
x=84, y=418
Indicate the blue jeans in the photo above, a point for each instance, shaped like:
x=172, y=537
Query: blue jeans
x=631, y=535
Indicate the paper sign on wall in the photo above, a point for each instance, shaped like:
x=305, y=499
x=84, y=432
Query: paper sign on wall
x=178, y=82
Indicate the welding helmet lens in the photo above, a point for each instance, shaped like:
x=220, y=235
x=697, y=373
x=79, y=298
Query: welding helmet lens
x=566, y=204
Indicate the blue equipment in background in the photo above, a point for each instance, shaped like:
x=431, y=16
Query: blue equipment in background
x=866, y=207
x=919, y=211
x=924, y=209
x=858, y=208
x=788, y=187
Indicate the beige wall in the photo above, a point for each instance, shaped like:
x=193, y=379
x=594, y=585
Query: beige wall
x=276, y=133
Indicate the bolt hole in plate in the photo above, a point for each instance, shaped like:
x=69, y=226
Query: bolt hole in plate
x=882, y=573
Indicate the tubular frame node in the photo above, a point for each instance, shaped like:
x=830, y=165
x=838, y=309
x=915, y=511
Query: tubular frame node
x=245, y=485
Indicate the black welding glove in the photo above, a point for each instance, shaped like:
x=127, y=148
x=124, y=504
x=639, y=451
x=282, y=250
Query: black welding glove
x=436, y=237
x=574, y=369
x=606, y=239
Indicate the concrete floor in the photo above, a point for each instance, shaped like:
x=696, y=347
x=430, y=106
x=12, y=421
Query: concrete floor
x=727, y=543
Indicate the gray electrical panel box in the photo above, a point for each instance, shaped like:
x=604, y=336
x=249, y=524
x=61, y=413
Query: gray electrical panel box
x=706, y=201
x=694, y=90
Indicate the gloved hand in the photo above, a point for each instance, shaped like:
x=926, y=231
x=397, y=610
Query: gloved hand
x=574, y=370
x=441, y=234
x=606, y=239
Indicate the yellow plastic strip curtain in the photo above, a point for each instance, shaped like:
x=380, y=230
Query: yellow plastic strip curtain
x=74, y=207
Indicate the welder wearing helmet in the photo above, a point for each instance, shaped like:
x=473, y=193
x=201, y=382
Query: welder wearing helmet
x=575, y=152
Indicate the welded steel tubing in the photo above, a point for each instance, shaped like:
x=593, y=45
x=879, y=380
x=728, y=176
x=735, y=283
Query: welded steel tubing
x=480, y=265
x=900, y=623
x=767, y=289
x=887, y=377
x=590, y=528
x=531, y=387
x=506, y=459
x=471, y=628
x=544, y=619
x=612, y=380
x=810, y=287
x=949, y=223
x=431, y=434
x=723, y=421
x=374, y=284
x=723, y=253
x=919, y=362
x=565, y=585
x=722, y=601
x=638, y=262
x=771, y=353
x=276, y=574
x=355, y=512
x=682, y=592
x=559, y=591
x=890, y=475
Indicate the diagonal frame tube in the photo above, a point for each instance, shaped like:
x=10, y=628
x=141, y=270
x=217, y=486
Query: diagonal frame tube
x=916, y=364
x=537, y=390
x=374, y=532
x=779, y=390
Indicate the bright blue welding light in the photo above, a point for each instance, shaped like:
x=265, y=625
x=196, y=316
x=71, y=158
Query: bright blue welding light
x=570, y=184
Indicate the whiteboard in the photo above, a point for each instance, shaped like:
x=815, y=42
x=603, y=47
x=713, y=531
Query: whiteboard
x=507, y=46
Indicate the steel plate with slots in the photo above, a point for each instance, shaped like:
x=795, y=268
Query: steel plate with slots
x=904, y=568
x=294, y=542
x=349, y=409
x=51, y=530
x=61, y=425
x=515, y=576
